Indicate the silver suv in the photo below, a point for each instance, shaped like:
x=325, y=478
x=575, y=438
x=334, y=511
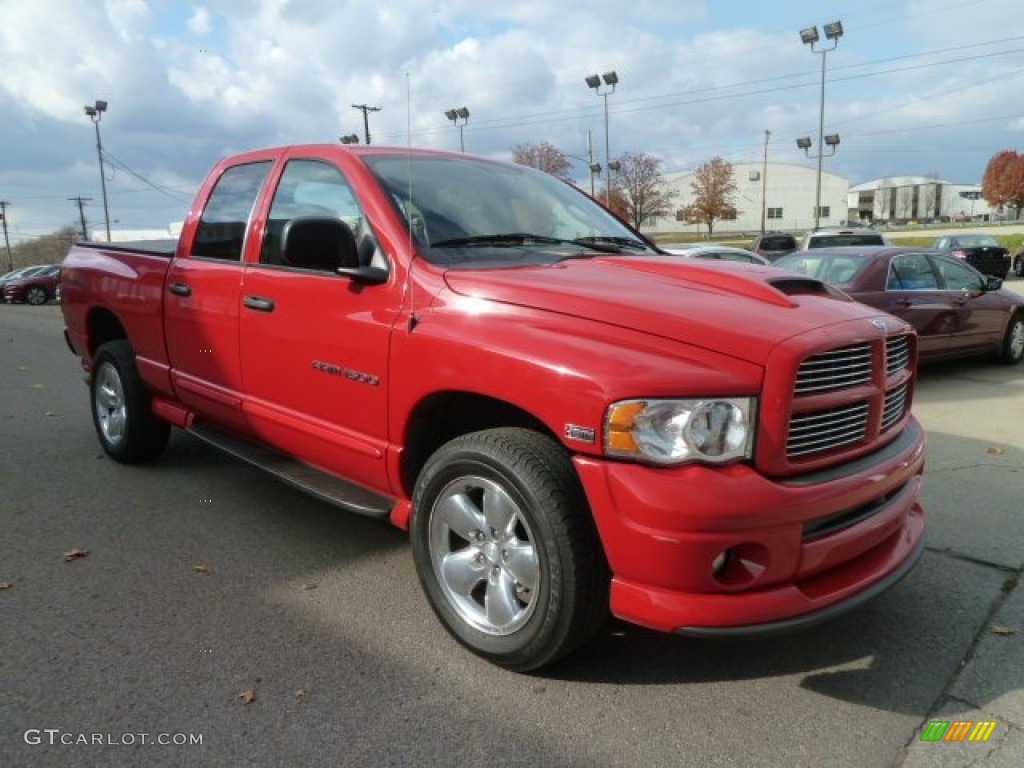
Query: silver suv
x=827, y=238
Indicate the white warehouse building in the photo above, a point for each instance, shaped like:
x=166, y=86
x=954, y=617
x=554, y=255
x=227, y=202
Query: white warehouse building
x=788, y=199
x=899, y=199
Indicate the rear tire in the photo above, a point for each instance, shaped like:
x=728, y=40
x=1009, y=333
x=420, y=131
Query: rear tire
x=122, y=407
x=1013, y=342
x=506, y=549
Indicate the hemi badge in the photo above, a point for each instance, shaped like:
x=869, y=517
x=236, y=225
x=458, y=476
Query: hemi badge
x=581, y=434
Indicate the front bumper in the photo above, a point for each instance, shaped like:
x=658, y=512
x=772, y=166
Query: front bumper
x=725, y=550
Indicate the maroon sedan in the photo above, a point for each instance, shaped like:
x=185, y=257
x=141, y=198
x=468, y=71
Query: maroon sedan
x=34, y=288
x=956, y=310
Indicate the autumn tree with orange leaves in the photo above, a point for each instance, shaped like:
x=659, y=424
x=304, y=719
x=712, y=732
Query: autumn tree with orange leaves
x=545, y=157
x=1003, y=183
x=714, y=195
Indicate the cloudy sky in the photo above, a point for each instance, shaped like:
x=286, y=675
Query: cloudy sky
x=915, y=86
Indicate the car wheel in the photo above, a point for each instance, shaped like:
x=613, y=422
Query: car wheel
x=36, y=295
x=121, y=407
x=506, y=549
x=1013, y=342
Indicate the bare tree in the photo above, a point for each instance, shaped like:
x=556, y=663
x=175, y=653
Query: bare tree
x=714, y=195
x=643, y=191
x=46, y=249
x=1003, y=183
x=543, y=156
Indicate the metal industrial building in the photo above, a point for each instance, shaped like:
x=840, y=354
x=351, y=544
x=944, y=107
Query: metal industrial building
x=785, y=191
x=901, y=199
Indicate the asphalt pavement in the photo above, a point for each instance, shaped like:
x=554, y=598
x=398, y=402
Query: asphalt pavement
x=198, y=612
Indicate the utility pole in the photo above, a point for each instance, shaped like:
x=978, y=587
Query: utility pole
x=366, y=120
x=81, y=212
x=764, y=180
x=3, y=218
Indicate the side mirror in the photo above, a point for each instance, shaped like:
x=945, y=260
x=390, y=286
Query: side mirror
x=318, y=242
x=993, y=283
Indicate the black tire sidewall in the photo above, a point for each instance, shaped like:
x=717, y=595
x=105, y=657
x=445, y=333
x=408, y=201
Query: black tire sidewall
x=545, y=625
x=145, y=436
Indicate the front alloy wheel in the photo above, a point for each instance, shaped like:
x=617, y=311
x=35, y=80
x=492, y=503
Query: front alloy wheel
x=506, y=549
x=36, y=295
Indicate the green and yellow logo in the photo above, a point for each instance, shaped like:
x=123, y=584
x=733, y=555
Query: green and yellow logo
x=958, y=730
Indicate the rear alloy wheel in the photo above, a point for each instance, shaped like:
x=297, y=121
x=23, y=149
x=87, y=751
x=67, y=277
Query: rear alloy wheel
x=506, y=550
x=121, y=407
x=1013, y=342
x=36, y=295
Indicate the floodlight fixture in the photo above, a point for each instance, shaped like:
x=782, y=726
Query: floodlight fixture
x=831, y=139
x=804, y=142
x=834, y=30
x=809, y=36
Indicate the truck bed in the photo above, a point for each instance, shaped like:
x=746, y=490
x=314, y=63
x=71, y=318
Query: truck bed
x=163, y=248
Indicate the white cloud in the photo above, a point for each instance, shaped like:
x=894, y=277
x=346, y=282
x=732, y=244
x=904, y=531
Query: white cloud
x=200, y=23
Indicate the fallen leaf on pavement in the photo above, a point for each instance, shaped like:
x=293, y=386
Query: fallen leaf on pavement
x=37, y=386
x=995, y=450
x=247, y=697
x=75, y=554
x=1002, y=629
x=201, y=568
x=300, y=694
x=5, y=585
x=310, y=585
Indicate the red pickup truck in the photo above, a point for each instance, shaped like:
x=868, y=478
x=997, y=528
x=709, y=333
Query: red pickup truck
x=568, y=421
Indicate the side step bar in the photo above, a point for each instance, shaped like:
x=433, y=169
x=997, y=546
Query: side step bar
x=315, y=482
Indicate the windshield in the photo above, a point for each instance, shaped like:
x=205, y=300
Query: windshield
x=975, y=241
x=845, y=238
x=469, y=210
x=837, y=269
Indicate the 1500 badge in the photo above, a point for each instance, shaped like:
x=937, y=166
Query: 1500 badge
x=348, y=373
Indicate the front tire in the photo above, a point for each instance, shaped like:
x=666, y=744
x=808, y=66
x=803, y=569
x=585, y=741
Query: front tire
x=506, y=549
x=122, y=407
x=1013, y=341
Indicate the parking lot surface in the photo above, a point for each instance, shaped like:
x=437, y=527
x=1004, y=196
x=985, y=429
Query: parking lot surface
x=215, y=602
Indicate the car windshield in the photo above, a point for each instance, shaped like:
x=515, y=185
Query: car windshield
x=832, y=268
x=778, y=243
x=471, y=211
x=975, y=241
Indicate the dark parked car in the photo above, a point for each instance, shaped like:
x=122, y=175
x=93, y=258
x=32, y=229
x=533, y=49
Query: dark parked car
x=772, y=245
x=956, y=310
x=717, y=252
x=15, y=274
x=1018, y=261
x=33, y=287
x=983, y=252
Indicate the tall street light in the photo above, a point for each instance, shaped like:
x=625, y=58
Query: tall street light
x=764, y=181
x=831, y=141
x=610, y=80
x=95, y=113
x=454, y=115
x=809, y=36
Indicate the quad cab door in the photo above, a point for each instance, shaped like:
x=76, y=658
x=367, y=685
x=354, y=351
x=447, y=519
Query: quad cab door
x=201, y=297
x=314, y=343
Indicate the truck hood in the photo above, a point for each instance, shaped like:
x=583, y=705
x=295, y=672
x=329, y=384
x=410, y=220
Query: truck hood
x=734, y=309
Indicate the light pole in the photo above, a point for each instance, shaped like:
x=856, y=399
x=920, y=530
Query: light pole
x=809, y=36
x=804, y=143
x=95, y=113
x=610, y=80
x=454, y=115
x=366, y=120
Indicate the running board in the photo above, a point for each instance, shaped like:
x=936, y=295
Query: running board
x=315, y=482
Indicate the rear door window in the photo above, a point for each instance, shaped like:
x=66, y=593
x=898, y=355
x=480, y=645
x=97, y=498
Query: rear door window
x=222, y=227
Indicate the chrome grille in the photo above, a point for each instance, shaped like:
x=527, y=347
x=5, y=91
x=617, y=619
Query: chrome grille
x=897, y=354
x=826, y=429
x=895, y=404
x=835, y=369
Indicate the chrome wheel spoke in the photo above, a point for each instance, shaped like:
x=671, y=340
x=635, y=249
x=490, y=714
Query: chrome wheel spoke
x=521, y=563
x=500, y=603
x=500, y=511
x=463, y=570
x=461, y=515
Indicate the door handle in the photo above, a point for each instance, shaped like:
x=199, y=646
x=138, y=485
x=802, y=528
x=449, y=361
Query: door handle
x=180, y=289
x=259, y=303
x=903, y=303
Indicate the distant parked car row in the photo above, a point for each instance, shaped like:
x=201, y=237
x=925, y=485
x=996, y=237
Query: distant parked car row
x=31, y=285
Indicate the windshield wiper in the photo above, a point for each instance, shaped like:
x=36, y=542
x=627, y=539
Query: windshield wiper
x=629, y=242
x=602, y=244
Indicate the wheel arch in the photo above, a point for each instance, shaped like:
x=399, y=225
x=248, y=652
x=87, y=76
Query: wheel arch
x=443, y=416
x=102, y=325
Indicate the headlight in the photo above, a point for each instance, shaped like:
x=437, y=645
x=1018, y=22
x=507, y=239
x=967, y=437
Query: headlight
x=674, y=431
